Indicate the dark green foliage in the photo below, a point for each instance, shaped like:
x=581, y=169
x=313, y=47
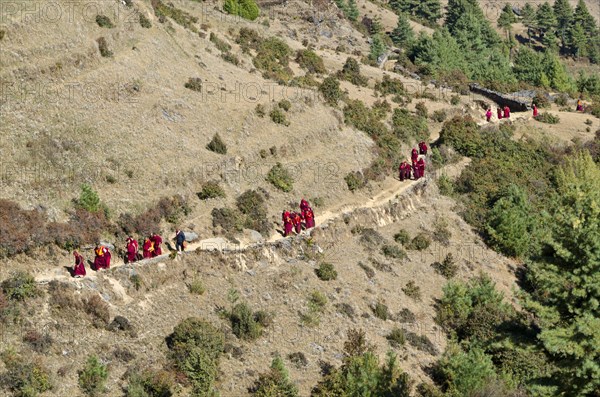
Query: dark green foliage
x=2, y=34
x=455, y=100
x=402, y=237
x=298, y=359
x=145, y=22
x=260, y=110
x=194, y=84
x=210, y=190
x=330, y=89
x=150, y=383
x=219, y=43
x=247, y=9
x=310, y=61
x=462, y=133
x=396, y=337
x=196, y=287
x=243, y=322
x=285, y=105
x=162, y=11
x=351, y=72
x=545, y=18
x=252, y=205
x=393, y=251
x=506, y=19
x=19, y=286
x=104, y=22
x=24, y=377
x=326, y=272
x=217, y=145
x=402, y=35
x=420, y=242
x=377, y=49
x=275, y=383
x=447, y=268
x=412, y=290
x=231, y=58
x=439, y=115
x=361, y=117
x=93, y=376
x=355, y=181
x=441, y=234
x=390, y=86
x=272, y=58
x=351, y=10
x=421, y=109
x=428, y=10
x=88, y=199
x=278, y=117
x=547, y=118
x=421, y=342
x=381, y=311
x=280, y=177
x=408, y=127
x=248, y=38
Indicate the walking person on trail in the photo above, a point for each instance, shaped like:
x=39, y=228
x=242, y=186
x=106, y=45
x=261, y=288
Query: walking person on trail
x=421, y=167
x=499, y=111
x=579, y=107
x=304, y=205
x=488, y=115
x=132, y=249
x=179, y=240
x=286, y=217
x=309, y=218
x=157, y=241
x=406, y=170
x=414, y=156
x=102, y=259
x=297, y=221
x=506, y=112
x=147, y=248
x=79, y=267
x=423, y=148
x=535, y=111
x=401, y=170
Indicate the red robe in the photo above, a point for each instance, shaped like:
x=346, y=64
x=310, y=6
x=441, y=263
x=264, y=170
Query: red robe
x=148, y=248
x=157, y=240
x=421, y=167
x=535, y=111
x=488, y=115
x=401, y=171
x=423, y=148
x=506, y=112
x=414, y=155
x=287, y=224
x=79, y=268
x=102, y=259
x=304, y=205
x=297, y=220
x=132, y=249
x=406, y=170
x=309, y=218
x=499, y=114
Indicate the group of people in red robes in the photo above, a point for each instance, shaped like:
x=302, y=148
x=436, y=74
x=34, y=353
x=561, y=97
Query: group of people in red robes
x=151, y=248
x=418, y=164
x=501, y=113
x=295, y=221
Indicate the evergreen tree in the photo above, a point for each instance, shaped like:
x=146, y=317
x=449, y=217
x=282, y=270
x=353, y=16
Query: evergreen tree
x=528, y=66
x=557, y=73
x=528, y=17
x=506, y=19
x=403, y=34
x=341, y=4
x=583, y=32
x=564, y=13
x=352, y=10
x=545, y=19
x=276, y=382
x=429, y=10
x=440, y=52
x=565, y=297
x=378, y=48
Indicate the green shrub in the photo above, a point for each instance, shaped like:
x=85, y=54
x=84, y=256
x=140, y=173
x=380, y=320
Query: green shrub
x=103, y=47
x=462, y=133
x=369, y=271
x=25, y=378
x=455, y=100
x=548, y=118
x=264, y=318
x=248, y=38
x=210, y=190
x=201, y=370
x=562, y=100
x=364, y=119
x=412, y=290
x=104, y=22
x=88, y=199
x=231, y=58
x=252, y=205
x=196, y=287
x=260, y=110
x=402, y=237
x=381, y=311
x=219, y=43
x=421, y=110
x=217, y=145
x=441, y=234
x=445, y=185
x=421, y=342
x=19, y=286
x=278, y=117
x=351, y=72
x=447, y=267
x=194, y=332
x=93, y=376
x=408, y=127
x=439, y=115
x=280, y=178
x=272, y=58
x=326, y=272
x=316, y=305
x=330, y=89
x=318, y=300
x=145, y=22
x=243, y=322
x=162, y=11
x=194, y=84
x=310, y=61
x=285, y=105
x=428, y=390
x=246, y=9
x=396, y=337
x=274, y=383
x=393, y=251
x=390, y=86
x=541, y=100
x=465, y=373
x=420, y=242
x=150, y=383
x=298, y=359
x=355, y=181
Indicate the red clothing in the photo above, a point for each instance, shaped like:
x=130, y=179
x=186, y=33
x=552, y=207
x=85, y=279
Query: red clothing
x=287, y=223
x=79, y=268
x=422, y=148
x=309, y=218
x=535, y=111
x=148, y=248
x=401, y=171
x=304, y=205
x=132, y=249
x=499, y=114
x=297, y=220
x=157, y=240
x=102, y=259
x=416, y=170
x=506, y=112
x=488, y=115
x=414, y=155
x=421, y=167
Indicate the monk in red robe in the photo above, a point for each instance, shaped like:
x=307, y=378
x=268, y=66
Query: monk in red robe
x=309, y=218
x=535, y=111
x=421, y=167
x=406, y=170
x=79, y=268
x=488, y=115
x=132, y=249
x=499, y=114
x=401, y=171
x=287, y=223
x=102, y=259
x=506, y=112
x=304, y=205
x=422, y=148
x=414, y=155
x=297, y=222
x=157, y=241
x=148, y=248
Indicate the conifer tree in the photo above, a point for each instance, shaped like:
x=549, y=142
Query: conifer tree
x=528, y=17
x=564, y=14
x=506, y=19
x=352, y=11
x=430, y=10
x=402, y=35
x=545, y=19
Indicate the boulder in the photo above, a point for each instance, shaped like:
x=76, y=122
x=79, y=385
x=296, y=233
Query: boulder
x=190, y=236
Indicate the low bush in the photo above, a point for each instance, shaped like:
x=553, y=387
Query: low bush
x=243, y=322
x=441, y=233
x=351, y=72
x=355, y=180
x=420, y=242
x=260, y=110
x=285, y=105
x=326, y=272
x=316, y=305
x=408, y=127
x=393, y=251
x=439, y=115
x=38, y=342
x=145, y=22
x=231, y=58
x=247, y=9
x=278, y=117
x=396, y=337
x=369, y=271
x=252, y=204
x=272, y=58
x=421, y=110
x=462, y=133
x=370, y=237
x=447, y=267
x=219, y=43
x=25, y=377
x=104, y=22
x=406, y=316
x=381, y=311
x=390, y=86
x=330, y=89
x=346, y=309
x=541, y=100
x=455, y=100
x=298, y=359
x=194, y=84
x=162, y=11
x=421, y=342
x=98, y=310
x=248, y=38
x=150, y=383
x=562, y=100
x=210, y=190
x=217, y=145
x=445, y=185
x=276, y=382
x=195, y=332
x=196, y=287
x=310, y=61
x=19, y=286
x=93, y=376
x=230, y=220
x=412, y=290
x=548, y=118
x=264, y=318
x=280, y=178
x=103, y=47
x=402, y=237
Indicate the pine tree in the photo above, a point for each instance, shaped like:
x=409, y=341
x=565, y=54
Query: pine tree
x=545, y=19
x=403, y=34
x=565, y=297
x=506, y=19
x=378, y=48
x=430, y=10
x=352, y=12
x=528, y=15
x=564, y=13
x=582, y=18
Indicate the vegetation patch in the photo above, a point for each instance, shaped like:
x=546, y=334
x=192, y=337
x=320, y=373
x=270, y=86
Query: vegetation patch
x=247, y=9
x=326, y=272
x=163, y=11
x=280, y=177
x=194, y=84
x=412, y=290
x=104, y=22
x=310, y=61
x=211, y=190
x=217, y=145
